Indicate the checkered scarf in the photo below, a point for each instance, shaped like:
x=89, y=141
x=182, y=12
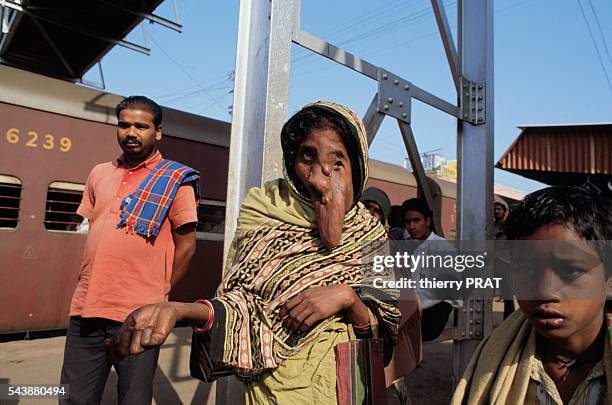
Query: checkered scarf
x=145, y=209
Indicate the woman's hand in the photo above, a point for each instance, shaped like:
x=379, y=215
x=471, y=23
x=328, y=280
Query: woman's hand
x=150, y=325
x=145, y=328
x=320, y=303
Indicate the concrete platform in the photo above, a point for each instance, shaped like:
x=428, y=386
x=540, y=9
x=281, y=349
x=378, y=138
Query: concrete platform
x=39, y=361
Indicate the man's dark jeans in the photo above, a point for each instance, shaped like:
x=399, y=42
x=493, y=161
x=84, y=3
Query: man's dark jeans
x=86, y=365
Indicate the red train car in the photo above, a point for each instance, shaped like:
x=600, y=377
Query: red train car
x=51, y=134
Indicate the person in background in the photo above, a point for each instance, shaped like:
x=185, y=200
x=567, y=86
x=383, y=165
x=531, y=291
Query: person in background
x=500, y=212
x=397, y=231
x=501, y=264
x=418, y=220
x=142, y=212
x=377, y=202
x=557, y=348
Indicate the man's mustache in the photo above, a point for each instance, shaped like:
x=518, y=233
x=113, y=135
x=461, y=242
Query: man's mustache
x=131, y=140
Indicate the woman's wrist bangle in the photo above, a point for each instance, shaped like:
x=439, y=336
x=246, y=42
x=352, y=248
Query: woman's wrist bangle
x=363, y=331
x=361, y=325
x=209, y=322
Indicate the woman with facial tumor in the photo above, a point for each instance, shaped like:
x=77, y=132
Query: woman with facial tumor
x=295, y=283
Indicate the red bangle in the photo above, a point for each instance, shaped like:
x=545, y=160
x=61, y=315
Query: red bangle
x=363, y=326
x=211, y=318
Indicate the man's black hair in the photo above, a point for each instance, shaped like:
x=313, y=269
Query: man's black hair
x=418, y=205
x=589, y=215
x=299, y=126
x=141, y=103
x=395, y=217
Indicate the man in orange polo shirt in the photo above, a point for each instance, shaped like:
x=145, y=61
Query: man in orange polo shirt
x=139, y=245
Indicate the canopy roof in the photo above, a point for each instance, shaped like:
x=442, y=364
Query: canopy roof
x=562, y=154
x=65, y=38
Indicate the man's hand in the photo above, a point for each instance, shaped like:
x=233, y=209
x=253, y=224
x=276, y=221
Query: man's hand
x=315, y=304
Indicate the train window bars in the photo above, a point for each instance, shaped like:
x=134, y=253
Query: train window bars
x=10, y=200
x=211, y=220
x=63, y=199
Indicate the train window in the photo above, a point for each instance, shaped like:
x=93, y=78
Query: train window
x=10, y=199
x=63, y=199
x=211, y=220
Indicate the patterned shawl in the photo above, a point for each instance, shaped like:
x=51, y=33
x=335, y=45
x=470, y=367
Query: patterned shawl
x=145, y=210
x=277, y=254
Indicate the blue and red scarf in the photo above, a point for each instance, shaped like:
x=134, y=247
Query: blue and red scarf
x=145, y=209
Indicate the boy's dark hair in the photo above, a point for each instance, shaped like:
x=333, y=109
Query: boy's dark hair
x=561, y=205
x=418, y=205
x=589, y=215
x=316, y=117
x=141, y=103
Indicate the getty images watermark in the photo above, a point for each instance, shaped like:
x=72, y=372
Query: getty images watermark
x=438, y=267
x=525, y=269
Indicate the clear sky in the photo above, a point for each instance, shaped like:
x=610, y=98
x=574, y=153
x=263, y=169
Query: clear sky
x=549, y=68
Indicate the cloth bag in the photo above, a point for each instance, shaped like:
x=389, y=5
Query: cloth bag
x=360, y=369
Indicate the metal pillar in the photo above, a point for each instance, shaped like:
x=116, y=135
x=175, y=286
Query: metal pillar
x=475, y=158
x=259, y=110
x=267, y=27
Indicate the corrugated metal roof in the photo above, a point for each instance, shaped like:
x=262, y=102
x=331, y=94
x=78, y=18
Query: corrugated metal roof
x=583, y=149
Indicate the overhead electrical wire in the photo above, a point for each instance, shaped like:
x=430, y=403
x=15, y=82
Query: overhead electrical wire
x=601, y=33
x=601, y=62
x=371, y=22
x=186, y=73
x=213, y=81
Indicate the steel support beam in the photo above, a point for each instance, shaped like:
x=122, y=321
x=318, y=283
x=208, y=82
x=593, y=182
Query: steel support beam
x=447, y=41
x=249, y=108
x=246, y=146
x=324, y=48
x=265, y=31
x=372, y=120
x=54, y=47
x=149, y=16
x=475, y=162
x=11, y=22
x=282, y=20
x=260, y=100
x=419, y=171
x=4, y=22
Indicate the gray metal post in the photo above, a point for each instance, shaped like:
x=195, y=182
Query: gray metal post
x=419, y=172
x=282, y=20
x=249, y=108
x=246, y=144
x=475, y=154
x=259, y=110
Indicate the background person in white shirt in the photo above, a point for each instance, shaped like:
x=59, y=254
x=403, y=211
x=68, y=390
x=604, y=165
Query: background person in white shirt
x=418, y=219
